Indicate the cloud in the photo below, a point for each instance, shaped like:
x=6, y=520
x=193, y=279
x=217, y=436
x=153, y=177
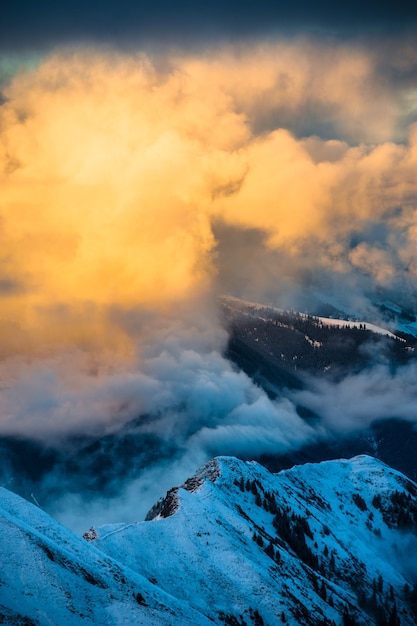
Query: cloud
x=136, y=187
x=114, y=170
x=131, y=187
x=132, y=431
x=360, y=399
x=375, y=262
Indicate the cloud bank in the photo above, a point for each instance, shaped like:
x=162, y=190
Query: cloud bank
x=114, y=170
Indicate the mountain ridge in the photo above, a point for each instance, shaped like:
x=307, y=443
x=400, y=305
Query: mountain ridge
x=319, y=544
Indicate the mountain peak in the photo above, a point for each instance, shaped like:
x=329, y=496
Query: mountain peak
x=318, y=544
x=315, y=538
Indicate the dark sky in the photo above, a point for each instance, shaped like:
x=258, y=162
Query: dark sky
x=29, y=25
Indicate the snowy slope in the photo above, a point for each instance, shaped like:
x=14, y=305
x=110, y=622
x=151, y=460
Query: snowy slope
x=51, y=576
x=321, y=544
x=214, y=543
x=263, y=312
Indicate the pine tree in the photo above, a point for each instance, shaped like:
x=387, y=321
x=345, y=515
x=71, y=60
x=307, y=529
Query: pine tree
x=393, y=618
x=270, y=551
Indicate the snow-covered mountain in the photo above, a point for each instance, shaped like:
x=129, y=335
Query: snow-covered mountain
x=286, y=352
x=267, y=313
x=327, y=543
x=277, y=348
x=49, y=575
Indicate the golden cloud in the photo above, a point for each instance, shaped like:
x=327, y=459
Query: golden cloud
x=112, y=172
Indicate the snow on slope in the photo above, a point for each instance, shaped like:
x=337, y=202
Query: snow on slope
x=48, y=575
x=318, y=545
x=330, y=321
x=230, y=545
x=262, y=311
